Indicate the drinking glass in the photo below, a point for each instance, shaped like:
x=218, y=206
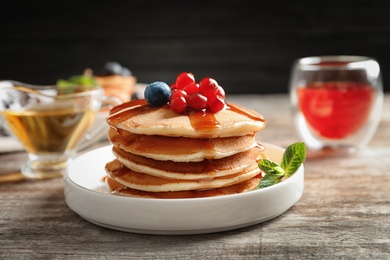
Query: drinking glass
x=336, y=101
x=50, y=124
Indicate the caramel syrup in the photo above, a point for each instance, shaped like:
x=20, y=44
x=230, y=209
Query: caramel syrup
x=204, y=122
x=128, y=105
x=127, y=110
x=246, y=112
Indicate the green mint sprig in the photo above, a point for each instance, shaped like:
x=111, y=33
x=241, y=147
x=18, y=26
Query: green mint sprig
x=293, y=157
x=76, y=83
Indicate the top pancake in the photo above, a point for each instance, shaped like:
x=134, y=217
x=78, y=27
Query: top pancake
x=140, y=118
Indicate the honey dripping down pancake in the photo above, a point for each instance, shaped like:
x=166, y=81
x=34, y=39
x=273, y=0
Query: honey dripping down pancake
x=165, y=149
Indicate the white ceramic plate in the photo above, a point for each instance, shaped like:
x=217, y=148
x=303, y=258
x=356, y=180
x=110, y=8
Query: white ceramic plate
x=86, y=194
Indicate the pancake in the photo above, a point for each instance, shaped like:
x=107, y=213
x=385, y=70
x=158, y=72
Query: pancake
x=205, y=169
x=140, y=118
x=117, y=188
x=180, y=149
x=145, y=182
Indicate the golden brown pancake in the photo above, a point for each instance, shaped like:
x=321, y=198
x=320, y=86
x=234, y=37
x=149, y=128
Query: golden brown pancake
x=190, y=170
x=180, y=149
x=140, y=181
x=141, y=118
x=117, y=188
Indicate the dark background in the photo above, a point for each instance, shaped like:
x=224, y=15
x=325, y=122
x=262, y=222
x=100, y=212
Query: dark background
x=247, y=46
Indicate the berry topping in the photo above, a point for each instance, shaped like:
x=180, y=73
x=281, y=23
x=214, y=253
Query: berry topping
x=216, y=103
x=184, y=79
x=191, y=88
x=207, y=94
x=178, y=101
x=208, y=86
x=197, y=101
x=185, y=94
x=157, y=93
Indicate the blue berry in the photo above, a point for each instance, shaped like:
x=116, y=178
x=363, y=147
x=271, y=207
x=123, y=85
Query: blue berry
x=114, y=68
x=157, y=93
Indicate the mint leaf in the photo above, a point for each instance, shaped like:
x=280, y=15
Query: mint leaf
x=269, y=166
x=273, y=173
x=268, y=180
x=293, y=157
x=76, y=83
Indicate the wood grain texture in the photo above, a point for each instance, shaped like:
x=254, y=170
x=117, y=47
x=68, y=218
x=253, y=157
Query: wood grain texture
x=248, y=47
x=344, y=212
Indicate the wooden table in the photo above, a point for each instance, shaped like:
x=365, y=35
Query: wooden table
x=344, y=212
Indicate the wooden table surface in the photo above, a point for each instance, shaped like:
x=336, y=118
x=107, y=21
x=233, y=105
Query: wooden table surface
x=343, y=213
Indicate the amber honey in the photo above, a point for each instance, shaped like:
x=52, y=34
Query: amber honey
x=44, y=129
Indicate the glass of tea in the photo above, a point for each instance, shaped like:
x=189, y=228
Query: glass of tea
x=50, y=123
x=336, y=101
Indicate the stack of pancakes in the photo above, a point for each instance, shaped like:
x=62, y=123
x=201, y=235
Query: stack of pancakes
x=161, y=154
x=120, y=86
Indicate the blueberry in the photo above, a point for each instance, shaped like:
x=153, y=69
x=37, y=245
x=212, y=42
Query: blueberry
x=157, y=93
x=126, y=72
x=114, y=68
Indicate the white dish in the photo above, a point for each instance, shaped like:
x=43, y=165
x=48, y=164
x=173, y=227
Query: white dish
x=87, y=195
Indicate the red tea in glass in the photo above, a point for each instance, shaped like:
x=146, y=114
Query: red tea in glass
x=336, y=109
x=336, y=101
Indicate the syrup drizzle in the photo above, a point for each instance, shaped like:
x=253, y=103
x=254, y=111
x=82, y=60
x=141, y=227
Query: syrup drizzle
x=204, y=122
x=128, y=110
x=128, y=105
x=246, y=112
